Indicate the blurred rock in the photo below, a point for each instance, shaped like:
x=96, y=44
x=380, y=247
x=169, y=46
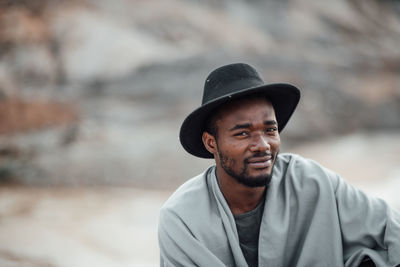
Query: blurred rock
x=135, y=69
x=20, y=115
x=94, y=46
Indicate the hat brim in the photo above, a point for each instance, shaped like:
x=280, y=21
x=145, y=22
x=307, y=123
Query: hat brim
x=283, y=96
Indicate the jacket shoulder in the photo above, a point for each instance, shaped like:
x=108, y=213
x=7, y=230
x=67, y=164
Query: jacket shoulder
x=300, y=169
x=193, y=193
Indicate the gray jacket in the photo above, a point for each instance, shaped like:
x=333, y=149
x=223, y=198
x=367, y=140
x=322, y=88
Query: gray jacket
x=311, y=217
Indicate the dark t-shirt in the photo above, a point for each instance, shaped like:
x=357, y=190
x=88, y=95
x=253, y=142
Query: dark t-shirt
x=248, y=227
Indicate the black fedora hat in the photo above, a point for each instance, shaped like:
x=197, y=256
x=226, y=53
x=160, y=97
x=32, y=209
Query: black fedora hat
x=232, y=82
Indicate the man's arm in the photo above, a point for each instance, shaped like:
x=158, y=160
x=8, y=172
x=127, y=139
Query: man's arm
x=369, y=227
x=178, y=247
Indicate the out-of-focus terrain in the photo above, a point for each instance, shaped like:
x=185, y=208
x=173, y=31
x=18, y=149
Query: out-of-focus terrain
x=116, y=226
x=92, y=95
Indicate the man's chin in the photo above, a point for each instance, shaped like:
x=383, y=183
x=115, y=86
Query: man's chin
x=256, y=181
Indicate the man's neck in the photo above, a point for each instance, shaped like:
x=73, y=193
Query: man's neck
x=239, y=197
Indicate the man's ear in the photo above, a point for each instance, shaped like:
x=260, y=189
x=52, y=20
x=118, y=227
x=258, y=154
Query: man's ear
x=209, y=142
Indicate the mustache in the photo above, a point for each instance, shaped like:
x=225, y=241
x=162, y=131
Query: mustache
x=259, y=155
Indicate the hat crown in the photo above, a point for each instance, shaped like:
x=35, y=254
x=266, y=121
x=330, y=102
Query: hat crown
x=229, y=79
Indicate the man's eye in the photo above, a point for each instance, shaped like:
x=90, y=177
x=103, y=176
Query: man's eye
x=271, y=130
x=241, y=134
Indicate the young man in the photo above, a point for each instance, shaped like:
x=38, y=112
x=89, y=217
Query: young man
x=257, y=207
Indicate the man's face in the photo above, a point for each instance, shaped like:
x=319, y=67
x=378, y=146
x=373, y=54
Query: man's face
x=247, y=141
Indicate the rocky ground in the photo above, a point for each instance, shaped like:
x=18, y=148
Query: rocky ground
x=79, y=226
x=117, y=226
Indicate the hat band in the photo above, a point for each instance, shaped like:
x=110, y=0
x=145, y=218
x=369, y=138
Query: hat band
x=226, y=89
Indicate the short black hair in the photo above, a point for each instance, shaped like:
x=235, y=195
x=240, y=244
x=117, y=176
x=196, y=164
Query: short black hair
x=211, y=122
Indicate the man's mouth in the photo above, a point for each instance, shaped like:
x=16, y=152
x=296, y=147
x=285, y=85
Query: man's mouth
x=260, y=162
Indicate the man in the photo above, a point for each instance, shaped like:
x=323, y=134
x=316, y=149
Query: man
x=257, y=207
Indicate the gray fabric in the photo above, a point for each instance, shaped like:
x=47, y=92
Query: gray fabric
x=311, y=218
x=248, y=228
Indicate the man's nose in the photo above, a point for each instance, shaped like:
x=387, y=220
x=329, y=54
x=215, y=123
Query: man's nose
x=260, y=143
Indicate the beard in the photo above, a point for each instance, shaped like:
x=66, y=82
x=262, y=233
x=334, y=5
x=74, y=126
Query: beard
x=243, y=176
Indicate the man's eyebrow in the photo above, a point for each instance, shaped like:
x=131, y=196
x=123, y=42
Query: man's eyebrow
x=248, y=125
x=241, y=126
x=270, y=122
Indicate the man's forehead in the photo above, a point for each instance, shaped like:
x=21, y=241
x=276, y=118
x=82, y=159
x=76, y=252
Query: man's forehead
x=243, y=106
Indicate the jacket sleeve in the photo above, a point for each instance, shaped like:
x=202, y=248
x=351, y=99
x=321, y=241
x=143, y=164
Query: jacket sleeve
x=178, y=247
x=369, y=227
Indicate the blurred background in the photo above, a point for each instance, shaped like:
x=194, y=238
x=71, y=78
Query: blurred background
x=93, y=92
